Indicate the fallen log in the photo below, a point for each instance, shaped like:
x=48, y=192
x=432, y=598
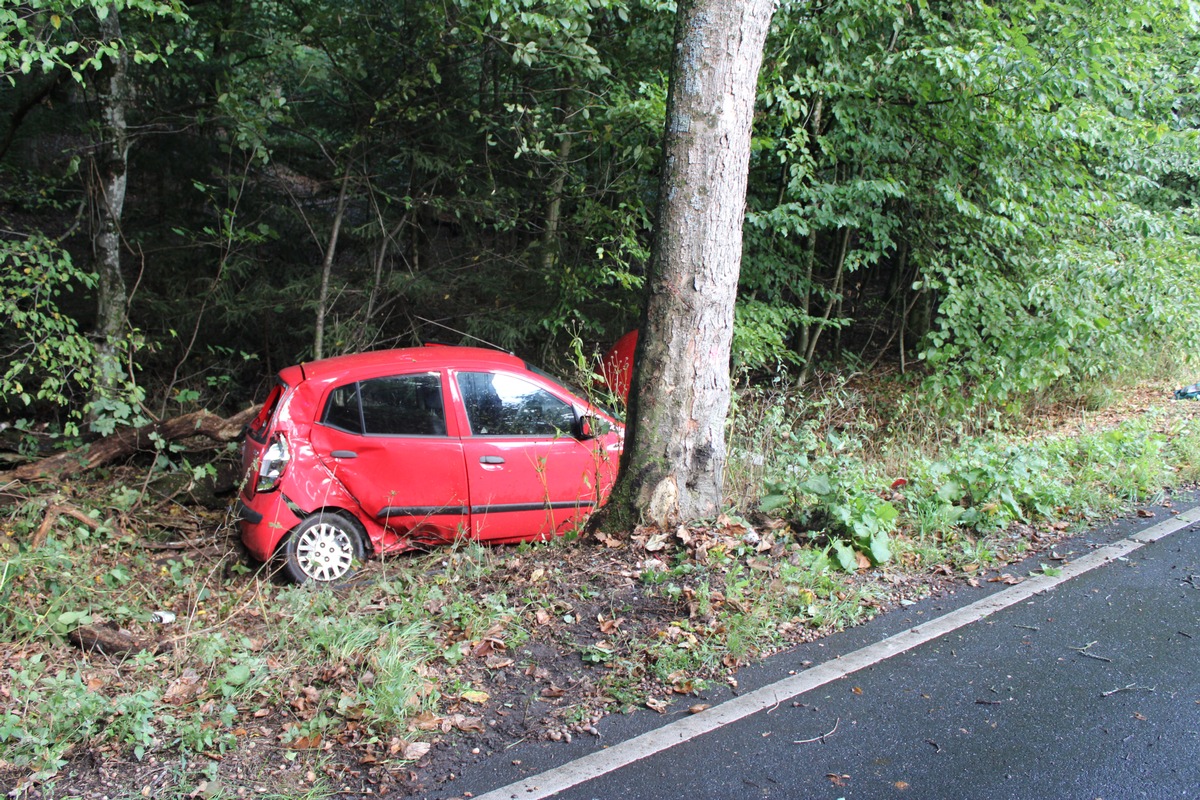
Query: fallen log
x=128, y=441
x=108, y=639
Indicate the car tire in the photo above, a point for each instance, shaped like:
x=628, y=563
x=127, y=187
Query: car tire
x=325, y=548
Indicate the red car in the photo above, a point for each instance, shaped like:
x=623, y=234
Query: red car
x=385, y=451
x=617, y=367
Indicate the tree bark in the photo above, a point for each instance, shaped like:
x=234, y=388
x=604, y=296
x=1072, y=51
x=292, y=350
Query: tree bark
x=550, y=239
x=674, y=460
x=110, y=172
x=327, y=268
x=109, y=640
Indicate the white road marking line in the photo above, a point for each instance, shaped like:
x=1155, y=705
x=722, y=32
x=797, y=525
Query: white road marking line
x=604, y=761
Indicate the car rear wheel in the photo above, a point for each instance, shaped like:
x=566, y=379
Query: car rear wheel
x=325, y=548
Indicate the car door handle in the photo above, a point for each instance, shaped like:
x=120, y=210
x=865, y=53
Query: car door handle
x=491, y=460
x=344, y=454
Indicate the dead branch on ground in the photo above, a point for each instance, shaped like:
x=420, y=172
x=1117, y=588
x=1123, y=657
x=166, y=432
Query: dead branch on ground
x=108, y=639
x=132, y=440
x=53, y=512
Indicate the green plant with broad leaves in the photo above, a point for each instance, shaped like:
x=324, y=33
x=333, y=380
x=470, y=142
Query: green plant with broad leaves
x=937, y=496
x=855, y=516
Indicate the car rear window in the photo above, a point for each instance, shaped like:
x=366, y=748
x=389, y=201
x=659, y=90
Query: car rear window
x=397, y=405
x=342, y=410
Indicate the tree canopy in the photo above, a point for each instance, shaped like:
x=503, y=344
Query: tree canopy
x=1002, y=197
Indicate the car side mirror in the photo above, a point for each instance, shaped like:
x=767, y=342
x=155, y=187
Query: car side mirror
x=589, y=426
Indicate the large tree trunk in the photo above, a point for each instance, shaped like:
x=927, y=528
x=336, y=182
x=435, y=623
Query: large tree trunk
x=674, y=459
x=110, y=175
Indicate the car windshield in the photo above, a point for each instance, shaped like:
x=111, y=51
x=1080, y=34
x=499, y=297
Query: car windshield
x=591, y=397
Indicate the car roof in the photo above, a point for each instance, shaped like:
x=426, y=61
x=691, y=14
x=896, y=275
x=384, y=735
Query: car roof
x=430, y=356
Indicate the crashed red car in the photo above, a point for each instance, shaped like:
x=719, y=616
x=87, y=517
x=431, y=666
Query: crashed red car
x=385, y=451
x=616, y=370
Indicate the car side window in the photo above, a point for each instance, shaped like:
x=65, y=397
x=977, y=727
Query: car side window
x=398, y=405
x=342, y=409
x=505, y=405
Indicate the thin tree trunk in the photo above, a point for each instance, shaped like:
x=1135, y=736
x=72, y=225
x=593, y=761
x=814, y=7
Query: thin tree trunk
x=674, y=458
x=110, y=173
x=903, y=327
x=834, y=296
x=327, y=268
x=550, y=243
x=380, y=259
x=810, y=259
x=810, y=246
x=898, y=292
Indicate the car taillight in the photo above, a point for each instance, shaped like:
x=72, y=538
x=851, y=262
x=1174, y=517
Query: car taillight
x=274, y=462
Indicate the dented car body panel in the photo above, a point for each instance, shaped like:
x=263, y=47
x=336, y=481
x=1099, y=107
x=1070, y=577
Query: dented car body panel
x=421, y=446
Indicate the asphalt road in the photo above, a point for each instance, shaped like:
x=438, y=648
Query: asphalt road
x=1088, y=689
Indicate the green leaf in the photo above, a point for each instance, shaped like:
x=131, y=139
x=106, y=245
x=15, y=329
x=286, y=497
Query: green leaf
x=818, y=485
x=881, y=550
x=70, y=619
x=773, y=502
x=950, y=492
x=845, y=556
x=237, y=675
x=886, y=513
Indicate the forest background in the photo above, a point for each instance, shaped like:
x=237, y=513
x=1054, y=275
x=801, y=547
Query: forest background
x=1005, y=195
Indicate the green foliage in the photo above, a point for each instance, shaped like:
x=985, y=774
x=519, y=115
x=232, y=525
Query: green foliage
x=43, y=592
x=1083, y=314
x=46, y=358
x=999, y=179
x=806, y=461
x=760, y=336
x=1005, y=195
x=847, y=506
x=68, y=712
x=48, y=362
x=817, y=475
x=47, y=35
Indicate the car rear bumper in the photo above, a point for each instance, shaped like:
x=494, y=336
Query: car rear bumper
x=247, y=514
x=264, y=520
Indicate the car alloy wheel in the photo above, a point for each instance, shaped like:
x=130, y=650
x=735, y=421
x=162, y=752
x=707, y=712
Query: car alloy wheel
x=323, y=548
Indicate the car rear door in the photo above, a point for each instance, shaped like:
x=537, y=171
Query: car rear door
x=529, y=476
x=387, y=439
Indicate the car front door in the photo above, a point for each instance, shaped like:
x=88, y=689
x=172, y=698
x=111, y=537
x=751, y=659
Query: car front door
x=386, y=440
x=529, y=476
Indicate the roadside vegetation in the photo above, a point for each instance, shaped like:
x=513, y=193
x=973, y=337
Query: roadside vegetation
x=844, y=503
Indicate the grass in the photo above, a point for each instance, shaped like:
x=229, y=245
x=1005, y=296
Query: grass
x=866, y=503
